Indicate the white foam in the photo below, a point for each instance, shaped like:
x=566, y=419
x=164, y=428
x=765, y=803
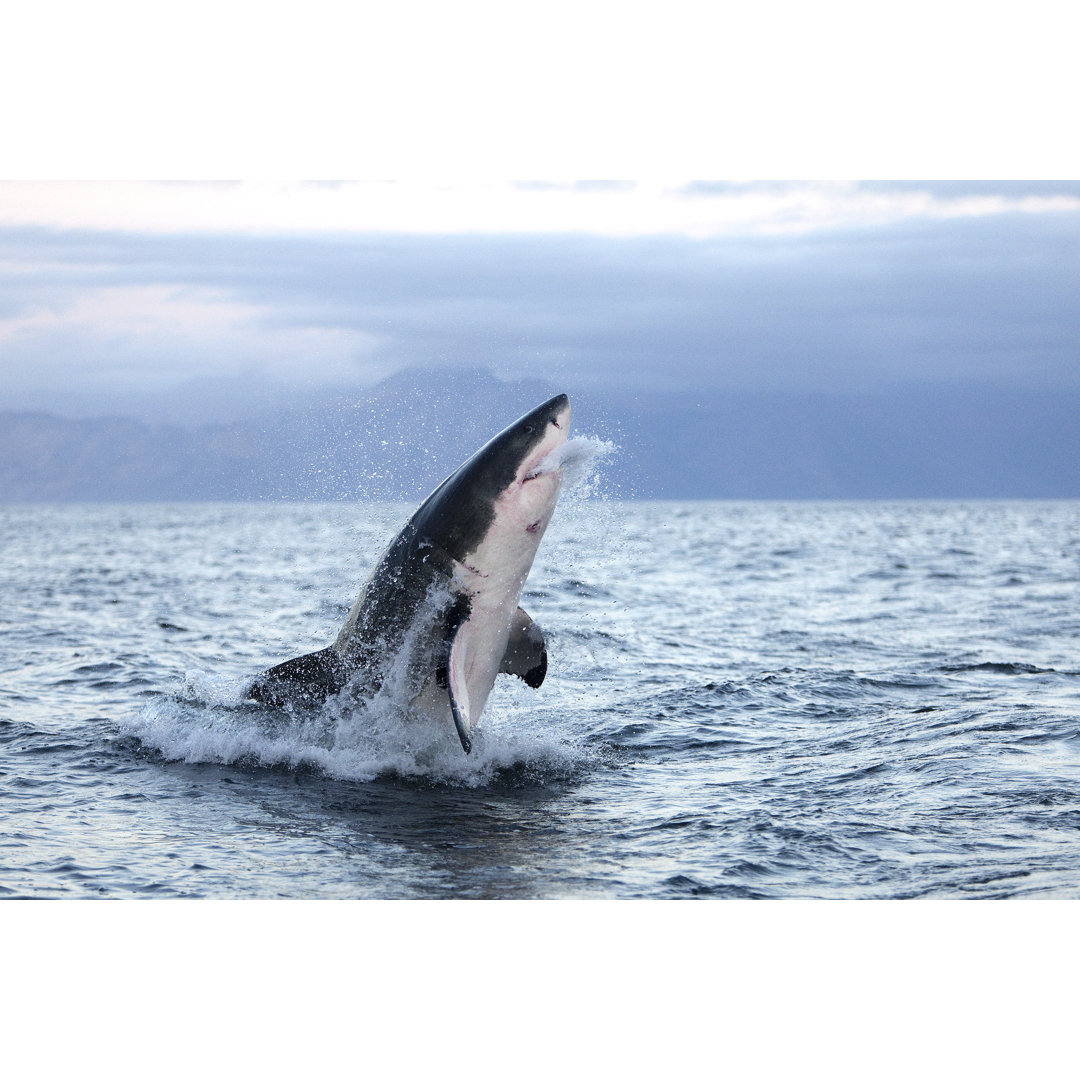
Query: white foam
x=207, y=723
x=218, y=689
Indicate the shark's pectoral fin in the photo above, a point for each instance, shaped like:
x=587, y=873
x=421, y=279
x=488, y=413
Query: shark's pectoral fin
x=526, y=651
x=304, y=680
x=457, y=687
x=526, y=657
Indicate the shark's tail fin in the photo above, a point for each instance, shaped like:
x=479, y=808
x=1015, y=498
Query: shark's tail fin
x=304, y=680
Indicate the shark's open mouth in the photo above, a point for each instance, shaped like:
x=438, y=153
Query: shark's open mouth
x=574, y=459
x=546, y=465
x=542, y=468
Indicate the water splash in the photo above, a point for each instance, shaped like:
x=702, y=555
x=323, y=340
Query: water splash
x=209, y=722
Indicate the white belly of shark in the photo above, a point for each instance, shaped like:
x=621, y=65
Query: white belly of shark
x=442, y=602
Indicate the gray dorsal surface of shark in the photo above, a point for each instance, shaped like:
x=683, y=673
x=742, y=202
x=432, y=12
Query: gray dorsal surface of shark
x=440, y=609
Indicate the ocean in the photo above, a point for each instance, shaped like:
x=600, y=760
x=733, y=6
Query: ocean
x=745, y=700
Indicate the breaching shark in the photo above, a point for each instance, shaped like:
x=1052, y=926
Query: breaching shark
x=443, y=599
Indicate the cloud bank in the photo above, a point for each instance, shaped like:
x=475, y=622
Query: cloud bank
x=831, y=287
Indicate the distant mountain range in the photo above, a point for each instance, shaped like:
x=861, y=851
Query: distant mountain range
x=398, y=439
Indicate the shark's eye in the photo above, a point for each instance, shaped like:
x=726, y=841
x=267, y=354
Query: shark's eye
x=527, y=429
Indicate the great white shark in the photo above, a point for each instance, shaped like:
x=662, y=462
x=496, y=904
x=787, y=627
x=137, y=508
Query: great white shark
x=442, y=604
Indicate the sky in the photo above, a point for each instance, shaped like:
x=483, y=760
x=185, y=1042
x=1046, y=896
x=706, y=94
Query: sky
x=122, y=296
x=175, y=238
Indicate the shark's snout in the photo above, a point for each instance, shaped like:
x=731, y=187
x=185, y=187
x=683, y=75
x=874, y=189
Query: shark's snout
x=556, y=418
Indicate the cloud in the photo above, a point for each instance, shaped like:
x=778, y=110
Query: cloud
x=108, y=337
x=920, y=299
x=602, y=208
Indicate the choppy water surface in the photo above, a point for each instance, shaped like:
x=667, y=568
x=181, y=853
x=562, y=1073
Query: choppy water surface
x=743, y=700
